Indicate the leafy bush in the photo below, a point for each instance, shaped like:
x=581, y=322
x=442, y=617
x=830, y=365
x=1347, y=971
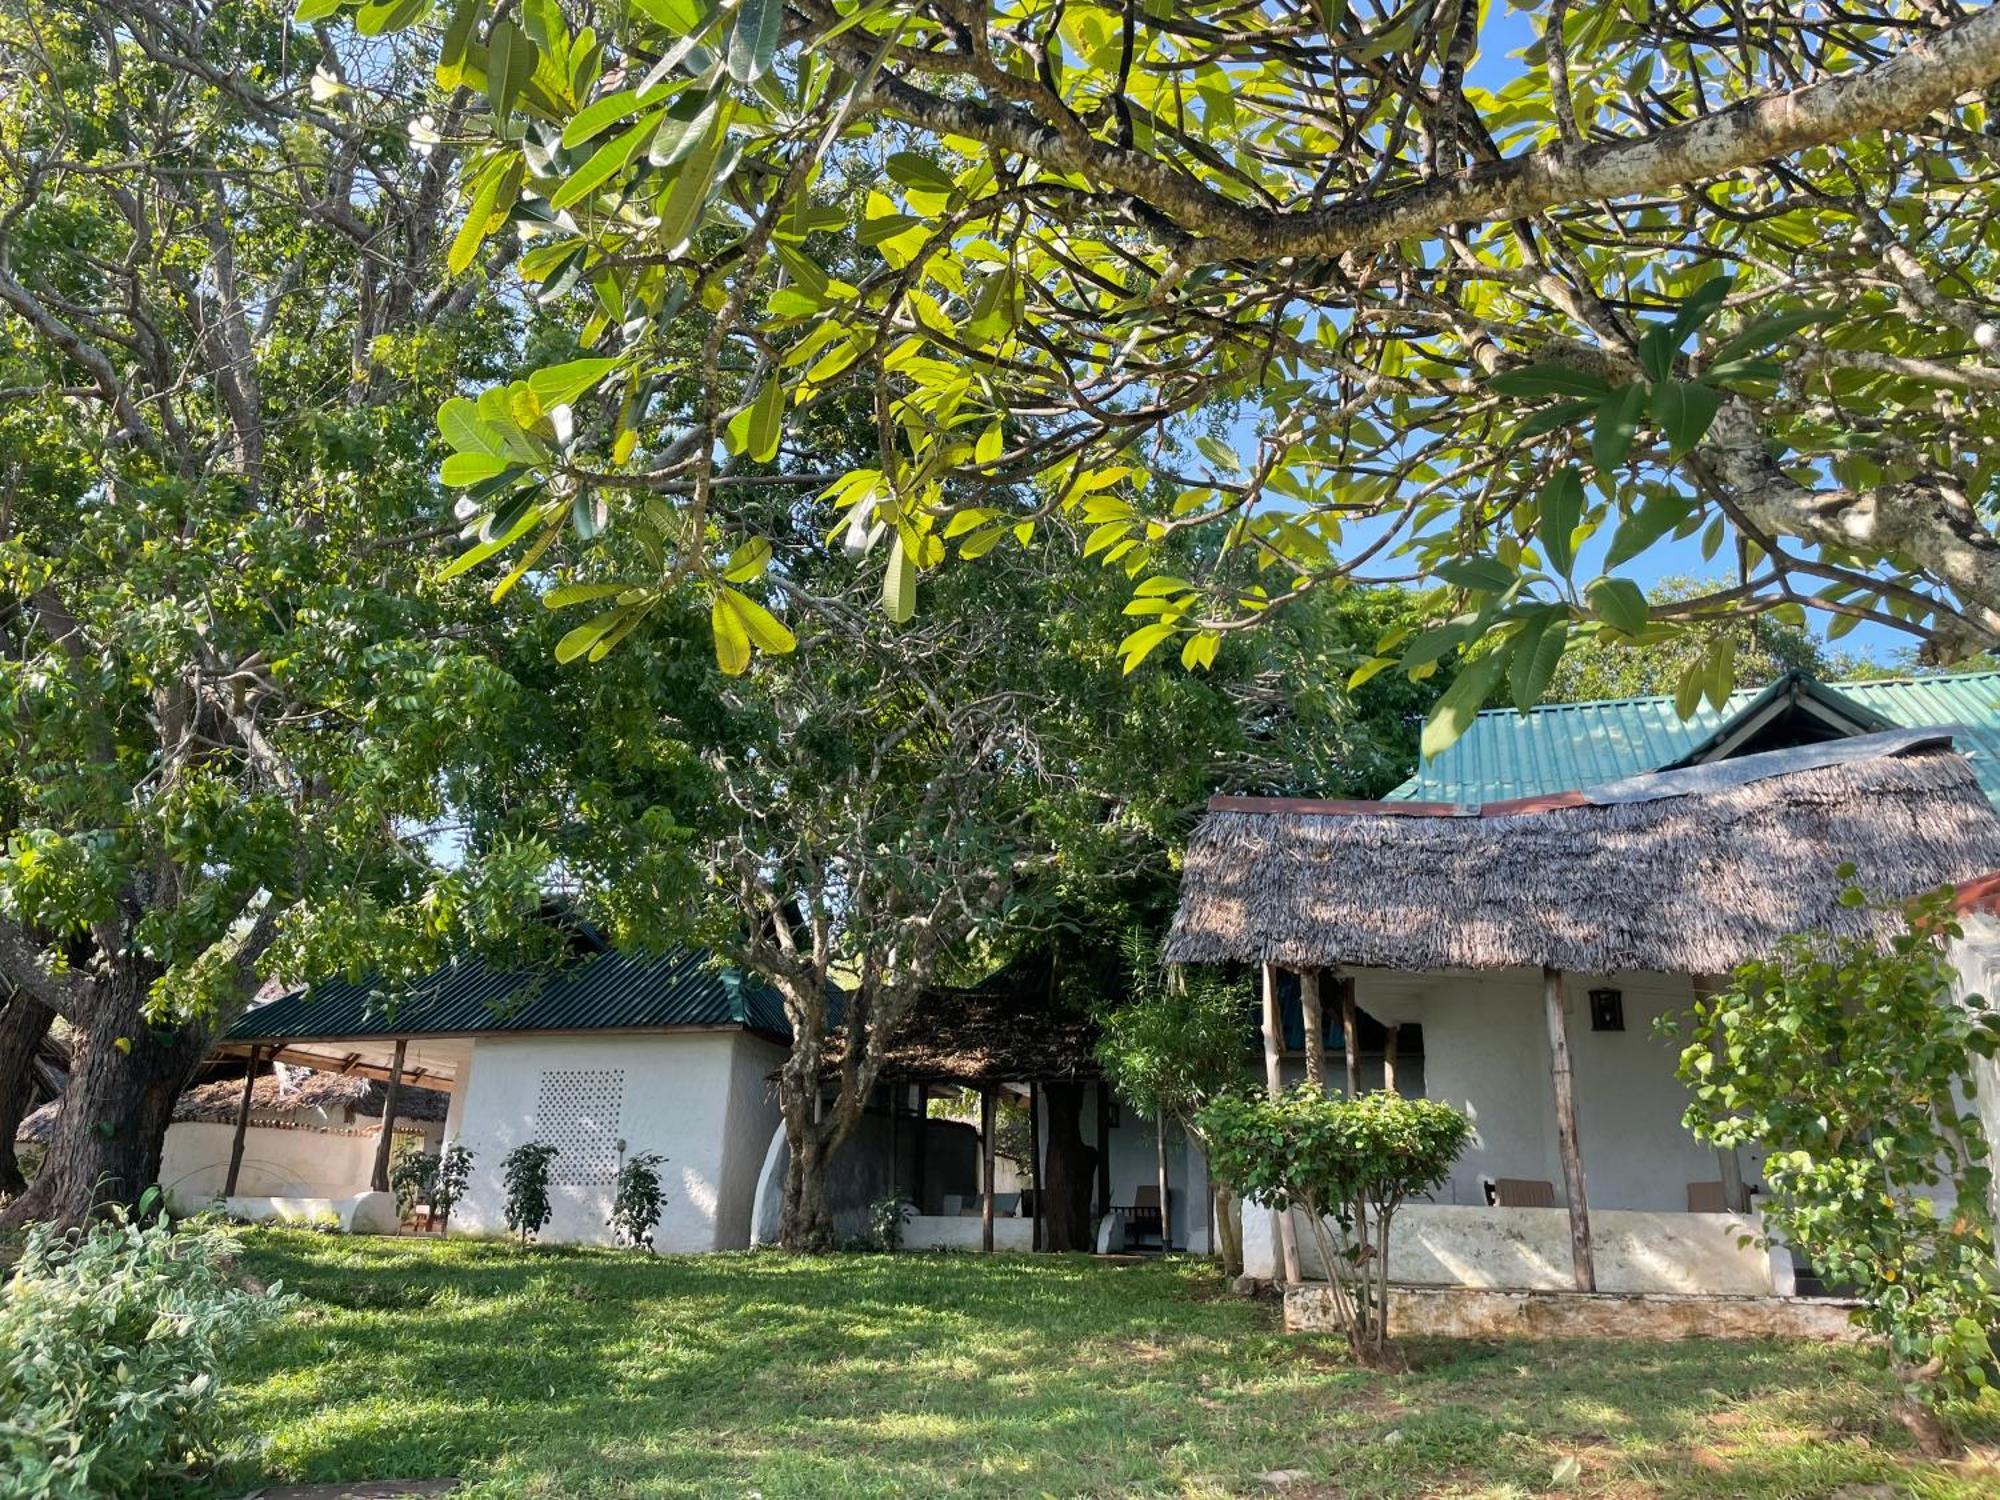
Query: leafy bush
x=109, y=1345
x=887, y=1217
x=1303, y=1150
x=636, y=1205
x=525, y=1171
x=412, y=1175
x=1848, y=1062
x=454, y=1171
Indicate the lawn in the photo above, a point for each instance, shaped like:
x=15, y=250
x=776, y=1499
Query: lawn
x=589, y=1373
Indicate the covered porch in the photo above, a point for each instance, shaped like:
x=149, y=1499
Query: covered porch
x=1539, y=945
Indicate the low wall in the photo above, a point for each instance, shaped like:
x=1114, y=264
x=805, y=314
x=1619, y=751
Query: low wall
x=363, y=1213
x=1474, y=1313
x=938, y=1232
x=278, y=1162
x=1527, y=1249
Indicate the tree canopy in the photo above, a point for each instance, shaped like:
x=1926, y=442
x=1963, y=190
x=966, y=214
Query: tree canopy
x=1284, y=274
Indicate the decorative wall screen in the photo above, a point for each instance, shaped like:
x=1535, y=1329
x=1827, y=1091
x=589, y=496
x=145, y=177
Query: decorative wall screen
x=578, y=1115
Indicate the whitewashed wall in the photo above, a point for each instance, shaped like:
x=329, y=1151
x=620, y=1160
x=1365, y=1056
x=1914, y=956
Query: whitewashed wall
x=1486, y=1050
x=698, y=1098
x=277, y=1163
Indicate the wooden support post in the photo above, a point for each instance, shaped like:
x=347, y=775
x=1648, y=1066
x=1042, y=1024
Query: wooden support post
x=1735, y=1194
x=1391, y=1035
x=986, y=1122
x=1160, y=1165
x=1350, y=1036
x=1035, y=1157
x=921, y=1167
x=390, y=1099
x=1103, y=1147
x=1283, y=1235
x=242, y=1127
x=896, y=1092
x=1314, y=1018
x=1581, y=1262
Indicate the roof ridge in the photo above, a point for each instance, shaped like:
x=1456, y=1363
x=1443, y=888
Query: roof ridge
x=1574, y=704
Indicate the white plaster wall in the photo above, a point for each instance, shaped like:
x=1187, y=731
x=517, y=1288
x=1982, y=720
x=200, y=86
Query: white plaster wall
x=682, y=1092
x=750, y=1116
x=966, y=1232
x=1486, y=1050
x=1134, y=1152
x=1527, y=1249
x=277, y=1163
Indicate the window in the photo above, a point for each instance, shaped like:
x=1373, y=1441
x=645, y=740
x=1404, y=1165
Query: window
x=578, y=1113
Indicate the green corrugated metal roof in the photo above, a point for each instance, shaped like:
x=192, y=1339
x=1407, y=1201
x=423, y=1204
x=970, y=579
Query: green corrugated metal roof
x=605, y=991
x=1559, y=747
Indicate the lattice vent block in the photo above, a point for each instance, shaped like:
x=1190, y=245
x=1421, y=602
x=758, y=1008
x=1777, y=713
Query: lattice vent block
x=578, y=1113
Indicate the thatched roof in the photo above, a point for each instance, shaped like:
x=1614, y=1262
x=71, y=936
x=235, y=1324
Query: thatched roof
x=297, y=1097
x=1689, y=871
x=1009, y=1028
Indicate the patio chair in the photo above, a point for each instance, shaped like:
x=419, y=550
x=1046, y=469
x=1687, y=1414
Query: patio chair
x=1141, y=1219
x=1707, y=1198
x=1523, y=1192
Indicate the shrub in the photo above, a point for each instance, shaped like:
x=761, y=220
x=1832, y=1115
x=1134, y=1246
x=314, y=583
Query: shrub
x=110, y=1341
x=412, y=1175
x=525, y=1171
x=454, y=1171
x=636, y=1205
x=1303, y=1150
x=887, y=1217
x=1847, y=1061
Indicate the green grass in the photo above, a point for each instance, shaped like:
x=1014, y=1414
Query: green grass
x=588, y=1373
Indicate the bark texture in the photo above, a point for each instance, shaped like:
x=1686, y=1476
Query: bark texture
x=24, y=1021
x=1068, y=1166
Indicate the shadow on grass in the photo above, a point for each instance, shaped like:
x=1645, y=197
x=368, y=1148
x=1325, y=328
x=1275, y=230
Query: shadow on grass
x=579, y=1373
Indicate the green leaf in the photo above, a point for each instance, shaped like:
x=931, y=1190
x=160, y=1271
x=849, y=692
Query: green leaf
x=315, y=10
x=601, y=114
x=753, y=40
x=683, y=126
x=748, y=561
x=1137, y=646
x=1697, y=308
x=1662, y=511
x=687, y=200
x=510, y=62
x=1549, y=380
x=899, y=584
x=478, y=224
x=1536, y=658
x=1657, y=348
x=463, y=469
x=766, y=631
x=1620, y=604
x=607, y=160
x=1486, y=574
x=380, y=17
x=1762, y=333
x=561, y=385
x=1684, y=409
x=581, y=593
x=732, y=636
x=1561, y=510
x=458, y=32
x=919, y=172
x=1453, y=713
x=1617, y=424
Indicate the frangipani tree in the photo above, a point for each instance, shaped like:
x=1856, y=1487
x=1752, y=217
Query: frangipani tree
x=1284, y=273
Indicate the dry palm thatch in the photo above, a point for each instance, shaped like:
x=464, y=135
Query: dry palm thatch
x=1683, y=872
x=1008, y=1028
x=295, y=1098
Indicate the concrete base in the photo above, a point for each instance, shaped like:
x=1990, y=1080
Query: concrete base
x=1480, y=1313
x=956, y=1232
x=364, y=1213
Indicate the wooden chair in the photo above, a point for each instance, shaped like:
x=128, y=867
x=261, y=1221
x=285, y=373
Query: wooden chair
x=1523, y=1192
x=1142, y=1219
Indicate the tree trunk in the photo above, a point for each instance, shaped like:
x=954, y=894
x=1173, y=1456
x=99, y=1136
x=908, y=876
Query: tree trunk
x=805, y=1224
x=1229, y=1230
x=23, y=1024
x=124, y=1078
x=1068, y=1165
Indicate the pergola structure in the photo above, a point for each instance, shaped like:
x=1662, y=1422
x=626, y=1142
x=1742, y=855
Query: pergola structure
x=1686, y=872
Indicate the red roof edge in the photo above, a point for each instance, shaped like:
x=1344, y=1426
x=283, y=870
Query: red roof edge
x=1547, y=802
x=1981, y=893
x=1222, y=803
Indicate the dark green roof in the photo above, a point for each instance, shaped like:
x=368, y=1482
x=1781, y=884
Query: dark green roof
x=600, y=992
x=1560, y=747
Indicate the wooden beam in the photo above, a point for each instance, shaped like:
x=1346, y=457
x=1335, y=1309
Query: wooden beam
x=1103, y=1148
x=1035, y=1157
x=1391, y=1035
x=920, y=1168
x=1314, y=1017
x=1582, y=1265
x=1735, y=1193
x=1160, y=1167
x=1274, y=1080
x=320, y=1063
x=896, y=1092
x=242, y=1127
x=1350, y=1035
x=986, y=1163
x=389, y=1103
